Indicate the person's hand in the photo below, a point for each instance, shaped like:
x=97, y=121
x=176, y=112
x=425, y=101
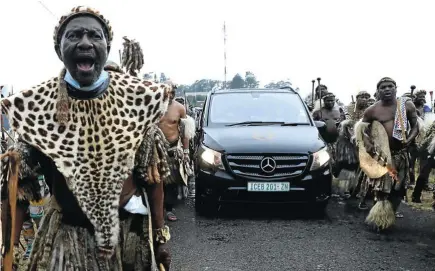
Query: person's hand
x=407, y=142
x=163, y=256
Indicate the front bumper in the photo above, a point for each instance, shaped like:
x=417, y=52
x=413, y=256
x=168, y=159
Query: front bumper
x=310, y=187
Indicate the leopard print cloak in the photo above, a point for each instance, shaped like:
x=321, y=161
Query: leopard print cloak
x=95, y=150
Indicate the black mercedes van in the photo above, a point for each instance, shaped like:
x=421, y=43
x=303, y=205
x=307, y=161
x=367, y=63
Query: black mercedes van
x=261, y=146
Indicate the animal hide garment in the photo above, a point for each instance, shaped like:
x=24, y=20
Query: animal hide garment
x=188, y=125
x=95, y=150
x=346, y=154
x=373, y=167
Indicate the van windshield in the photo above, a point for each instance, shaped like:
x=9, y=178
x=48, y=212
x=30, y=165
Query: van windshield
x=230, y=108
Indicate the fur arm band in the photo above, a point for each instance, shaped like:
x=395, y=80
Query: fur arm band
x=151, y=161
x=188, y=126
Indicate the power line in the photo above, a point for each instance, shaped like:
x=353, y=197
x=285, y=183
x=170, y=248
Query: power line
x=47, y=9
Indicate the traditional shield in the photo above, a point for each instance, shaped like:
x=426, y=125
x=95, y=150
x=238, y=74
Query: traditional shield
x=374, y=167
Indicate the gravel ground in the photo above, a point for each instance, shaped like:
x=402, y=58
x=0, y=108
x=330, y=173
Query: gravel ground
x=284, y=238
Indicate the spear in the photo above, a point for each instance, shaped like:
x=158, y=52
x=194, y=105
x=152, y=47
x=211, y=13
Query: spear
x=320, y=94
x=312, y=93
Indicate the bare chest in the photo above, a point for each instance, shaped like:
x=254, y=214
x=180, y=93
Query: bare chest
x=171, y=117
x=385, y=114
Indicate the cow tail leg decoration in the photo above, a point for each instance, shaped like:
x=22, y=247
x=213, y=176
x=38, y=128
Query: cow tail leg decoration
x=382, y=215
x=12, y=177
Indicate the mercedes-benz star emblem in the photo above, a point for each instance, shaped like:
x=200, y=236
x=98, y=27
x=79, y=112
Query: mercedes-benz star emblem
x=268, y=165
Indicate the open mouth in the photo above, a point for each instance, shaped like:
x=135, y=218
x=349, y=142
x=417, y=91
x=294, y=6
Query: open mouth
x=85, y=64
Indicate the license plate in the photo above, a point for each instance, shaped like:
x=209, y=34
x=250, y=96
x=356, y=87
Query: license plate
x=268, y=187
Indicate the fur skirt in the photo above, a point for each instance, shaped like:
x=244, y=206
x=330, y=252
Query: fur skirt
x=63, y=247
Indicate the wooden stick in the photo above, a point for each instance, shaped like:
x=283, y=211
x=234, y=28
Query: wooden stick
x=320, y=91
x=312, y=93
x=12, y=204
x=412, y=90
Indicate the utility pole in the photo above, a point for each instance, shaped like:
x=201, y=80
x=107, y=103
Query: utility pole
x=225, y=56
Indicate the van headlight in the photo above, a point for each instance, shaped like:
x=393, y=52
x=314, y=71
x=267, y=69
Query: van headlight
x=212, y=157
x=320, y=158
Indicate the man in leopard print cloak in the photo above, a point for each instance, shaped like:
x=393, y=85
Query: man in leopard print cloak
x=92, y=133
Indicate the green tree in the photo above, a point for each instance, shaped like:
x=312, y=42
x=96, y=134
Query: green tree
x=205, y=85
x=181, y=89
x=279, y=84
x=237, y=82
x=251, y=80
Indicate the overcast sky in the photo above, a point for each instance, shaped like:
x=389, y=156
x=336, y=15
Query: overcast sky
x=349, y=44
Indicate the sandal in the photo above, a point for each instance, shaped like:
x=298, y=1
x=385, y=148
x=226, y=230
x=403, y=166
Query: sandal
x=347, y=195
x=363, y=206
x=399, y=215
x=171, y=216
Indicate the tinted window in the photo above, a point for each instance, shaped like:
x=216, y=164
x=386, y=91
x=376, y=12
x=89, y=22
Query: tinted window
x=257, y=106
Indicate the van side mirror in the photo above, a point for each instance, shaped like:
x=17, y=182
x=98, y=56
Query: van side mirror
x=320, y=124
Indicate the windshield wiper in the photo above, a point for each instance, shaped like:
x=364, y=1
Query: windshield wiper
x=256, y=123
x=294, y=123
x=282, y=123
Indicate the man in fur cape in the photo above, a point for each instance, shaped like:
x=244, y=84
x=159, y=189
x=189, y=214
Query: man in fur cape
x=382, y=138
x=92, y=133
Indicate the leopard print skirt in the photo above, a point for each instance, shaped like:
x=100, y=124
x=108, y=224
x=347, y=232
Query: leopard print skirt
x=63, y=247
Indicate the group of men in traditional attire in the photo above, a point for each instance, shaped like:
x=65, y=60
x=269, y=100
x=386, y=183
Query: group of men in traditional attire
x=105, y=152
x=100, y=150
x=375, y=145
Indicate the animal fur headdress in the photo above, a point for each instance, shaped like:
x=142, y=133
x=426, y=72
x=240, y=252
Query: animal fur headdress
x=80, y=11
x=363, y=92
x=420, y=92
x=385, y=79
x=62, y=105
x=328, y=95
